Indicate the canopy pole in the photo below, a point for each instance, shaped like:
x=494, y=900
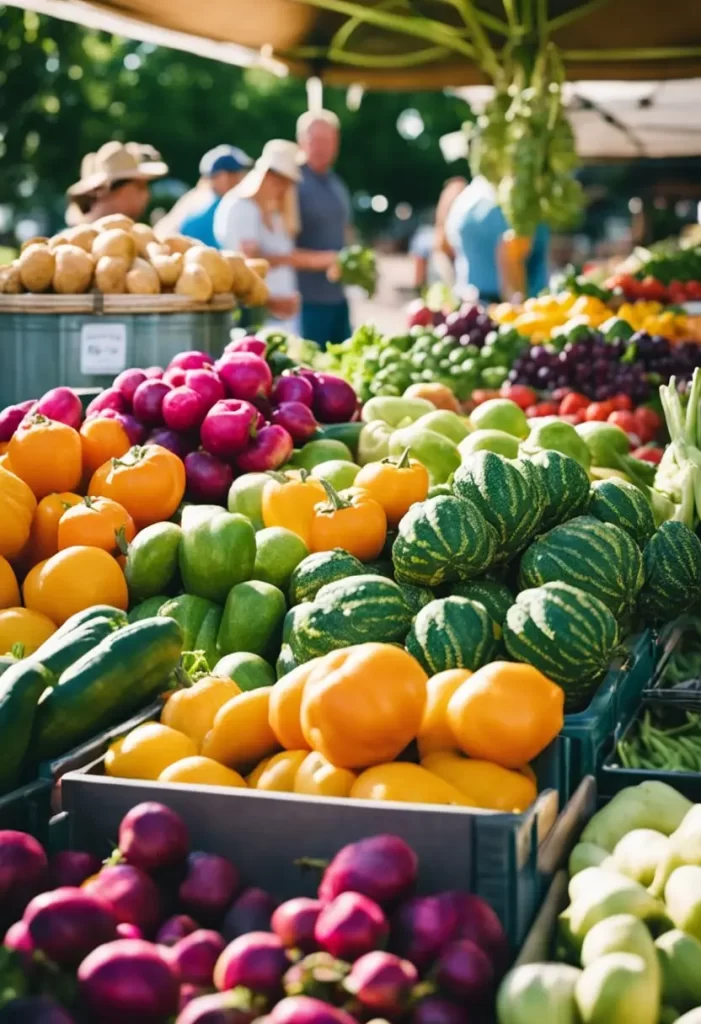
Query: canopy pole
x=315, y=94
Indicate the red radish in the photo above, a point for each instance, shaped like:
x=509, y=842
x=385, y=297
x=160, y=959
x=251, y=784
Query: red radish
x=293, y=387
x=419, y=315
x=128, y=931
x=195, y=956
x=130, y=893
x=175, y=376
x=250, y=912
x=188, y=993
x=248, y=344
x=208, y=478
x=437, y=1010
x=152, y=836
x=207, y=384
x=270, y=448
x=382, y=982
x=257, y=961
x=648, y=454
x=382, y=867
x=245, y=375
x=192, y=360
x=128, y=381
x=153, y=372
x=62, y=405
x=334, y=399
x=67, y=923
x=297, y=419
x=175, y=929
x=237, y=1007
x=464, y=971
x=480, y=924
x=209, y=886
x=135, y=430
x=351, y=925
x=127, y=980
x=184, y=409
x=110, y=398
x=178, y=444
x=19, y=938
x=293, y=922
x=72, y=867
x=305, y=1010
x=228, y=427
x=35, y=1010
x=148, y=401
x=23, y=873
x=422, y=926
x=10, y=418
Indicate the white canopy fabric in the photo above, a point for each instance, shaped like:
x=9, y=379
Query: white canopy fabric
x=617, y=120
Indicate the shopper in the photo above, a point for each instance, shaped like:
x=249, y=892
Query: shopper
x=116, y=179
x=325, y=214
x=221, y=169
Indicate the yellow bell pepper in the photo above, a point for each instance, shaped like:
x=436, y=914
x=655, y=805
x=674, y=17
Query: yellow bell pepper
x=240, y=734
x=252, y=778
x=363, y=705
x=405, y=783
x=285, y=707
x=202, y=771
x=278, y=775
x=192, y=710
x=147, y=751
x=506, y=713
x=483, y=783
x=318, y=777
x=435, y=733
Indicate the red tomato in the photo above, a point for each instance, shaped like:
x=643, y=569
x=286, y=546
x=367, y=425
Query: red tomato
x=560, y=393
x=693, y=290
x=623, y=419
x=573, y=403
x=648, y=454
x=520, y=394
x=483, y=395
x=629, y=285
x=546, y=409
x=531, y=412
x=652, y=289
x=622, y=403
x=573, y=418
x=647, y=423
x=677, y=292
x=599, y=411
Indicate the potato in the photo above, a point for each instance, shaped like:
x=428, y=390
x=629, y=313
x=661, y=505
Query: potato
x=36, y=268
x=218, y=270
x=113, y=221
x=58, y=240
x=37, y=240
x=11, y=281
x=115, y=242
x=73, y=271
x=83, y=235
x=259, y=267
x=143, y=235
x=237, y=264
x=157, y=249
x=111, y=275
x=142, y=279
x=168, y=268
x=195, y=282
x=178, y=243
x=245, y=281
x=257, y=295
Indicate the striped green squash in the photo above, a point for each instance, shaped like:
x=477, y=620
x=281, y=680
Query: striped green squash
x=496, y=597
x=285, y=662
x=453, y=633
x=566, y=487
x=504, y=493
x=567, y=634
x=416, y=597
x=440, y=540
x=351, y=611
x=597, y=557
x=314, y=571
x=672, y=560
x=619, y=502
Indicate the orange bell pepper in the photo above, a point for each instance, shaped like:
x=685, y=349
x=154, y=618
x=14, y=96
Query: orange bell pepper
x=351, y=520
x=289, y=500
x=149, y=482
x=43, y=539
x=318, y=777
x=406, y=783
x=483, y=784
x=17, y=507
x=46, y=455
x=435, y=732
x=97, y=522
x=285, y=706
x=396, y=484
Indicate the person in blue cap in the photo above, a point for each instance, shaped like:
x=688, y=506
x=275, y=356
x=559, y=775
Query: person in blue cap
x=221, y=169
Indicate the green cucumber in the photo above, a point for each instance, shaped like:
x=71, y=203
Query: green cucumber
x=152, y=560
x=58, y=655
x=252, y=620
x=217, y=551
x=347, y=433
x=7, y=661
x=206, y=639
x=20, y=689
x=117, y=677
x=148, y=608
x=190, y=613
x=96, y=612
x=248, y=671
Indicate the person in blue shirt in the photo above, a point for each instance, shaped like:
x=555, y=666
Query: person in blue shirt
x=474, y=228
x=221, y=169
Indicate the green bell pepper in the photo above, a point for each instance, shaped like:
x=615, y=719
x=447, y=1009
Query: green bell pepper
x=373, y=443
x=439, y=455
x=395, y=411
x=447, y=423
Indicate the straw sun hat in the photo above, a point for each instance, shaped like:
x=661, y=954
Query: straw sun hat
x=117, y=161
x=283, y=158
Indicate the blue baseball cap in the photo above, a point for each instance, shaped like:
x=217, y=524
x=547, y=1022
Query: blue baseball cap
x=224, y=158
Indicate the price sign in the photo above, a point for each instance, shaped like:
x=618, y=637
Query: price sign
x=103, y=349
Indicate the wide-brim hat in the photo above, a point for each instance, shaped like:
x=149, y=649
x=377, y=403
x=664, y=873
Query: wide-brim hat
x=116, y=161
x=279, y=156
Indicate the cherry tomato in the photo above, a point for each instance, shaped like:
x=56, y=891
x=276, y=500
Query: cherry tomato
x=648, y=454
x=647, y=423
x=693, y=290
x=546, y=409
x=622, y=403
x=677, y=292
x=520, y=394
x=599, y=411
x=483, y=395
x=531, y=412
x=573, y=418
x=623, y=419
x=560, y=393
x=653, y=289
x=572, y=403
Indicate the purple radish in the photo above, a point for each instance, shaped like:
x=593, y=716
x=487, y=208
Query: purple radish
x=127, y=980
x=128, y=381
x=175, y=929
x=382, y=867
x=292, y=387
x=72, y=867
x=110, y=398
x=133, y=428
x=294, y=922
x=62, y=405
x=209, y=886
x=153, y=372
x=23, y=873
x=464, y=971
x=128, y=931
x=437, y=1010
x=297, y=419
x=334, y=399
x=257, y=961
x=192, y=360
x=35, y=1010
x=10, y=418
x=18, y=939
x=350, y=926
x=382, y=982
x=245, y=375
x=422, y=926
x=248, y=344
x=208, y=478
x=305, y=1010
x=174, y=376
x=479, y=923
x=67, y=923
x=152, y=836
x=271, y=448
x=130, y=893
x=250, y=912
x=148, y=401
x=189, y=992
x=237, y=1007
x=228, y=427
x=207, y=384
x=178, y=444
x=195, y=956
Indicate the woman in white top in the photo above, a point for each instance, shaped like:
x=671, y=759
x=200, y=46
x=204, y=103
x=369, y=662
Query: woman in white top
x=259, y=217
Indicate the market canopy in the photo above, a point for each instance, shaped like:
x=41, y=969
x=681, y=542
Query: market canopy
x=417, y=44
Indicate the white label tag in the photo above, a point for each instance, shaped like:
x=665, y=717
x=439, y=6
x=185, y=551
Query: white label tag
x=103, y=349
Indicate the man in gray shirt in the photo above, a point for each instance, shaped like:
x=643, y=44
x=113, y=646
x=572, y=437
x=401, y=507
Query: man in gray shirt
x=325, y=213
